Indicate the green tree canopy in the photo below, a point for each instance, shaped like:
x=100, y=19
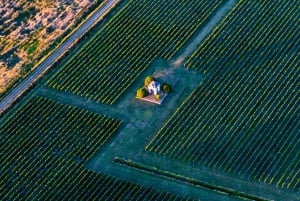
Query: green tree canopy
x=148, y=80
x=166, y=88
x=141, y=93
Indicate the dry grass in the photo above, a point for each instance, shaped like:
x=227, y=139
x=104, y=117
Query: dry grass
x=28, y=28
x=7, y=77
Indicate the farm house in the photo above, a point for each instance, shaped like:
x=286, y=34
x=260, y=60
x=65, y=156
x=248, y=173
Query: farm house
x=154, y=87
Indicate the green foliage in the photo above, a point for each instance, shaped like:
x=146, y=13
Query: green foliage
x=158, y=97
x=248, y=111
x=166, y=88
x=119, y=66
x=26, y=68
x=33, y=47
x=141, y=93
x=48, y=143
x=179, y=177
x=23, y=16
x=148, y=80
x=49, y=29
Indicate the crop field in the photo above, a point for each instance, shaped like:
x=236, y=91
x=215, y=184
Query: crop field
x=44, y=146
x=244, y=117
x=116, y=55
x=228, y=130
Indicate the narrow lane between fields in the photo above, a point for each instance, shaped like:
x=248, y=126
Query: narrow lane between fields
x=203, y=32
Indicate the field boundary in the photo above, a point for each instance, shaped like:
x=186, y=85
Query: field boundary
x=185, y=179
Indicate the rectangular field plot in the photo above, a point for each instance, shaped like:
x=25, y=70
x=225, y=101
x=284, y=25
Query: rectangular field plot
x=55, y=178
x=43, y=126
x=253, y=33
x=43, y=129
x=121, y=50
x=244, y=119
x=44, y=146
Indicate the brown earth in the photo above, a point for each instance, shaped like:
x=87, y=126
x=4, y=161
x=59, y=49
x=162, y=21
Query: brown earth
x=27, y=28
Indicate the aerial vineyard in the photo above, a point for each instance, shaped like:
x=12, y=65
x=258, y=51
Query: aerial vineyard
x=67, y=180
x=116, y=54
x=44, y=146
x=44, y=126
x=257, y=33
x=244, y=118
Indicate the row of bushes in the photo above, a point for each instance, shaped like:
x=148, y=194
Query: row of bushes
x=185, y=179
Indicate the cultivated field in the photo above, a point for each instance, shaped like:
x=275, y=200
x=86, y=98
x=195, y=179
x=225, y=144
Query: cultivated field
x=244, y=117
x=116, y=55
x=229, y=129
x=44, y=146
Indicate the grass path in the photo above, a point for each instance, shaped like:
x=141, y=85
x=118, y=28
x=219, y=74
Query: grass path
x=141, y=120
x=203, y=32
x=145, y=120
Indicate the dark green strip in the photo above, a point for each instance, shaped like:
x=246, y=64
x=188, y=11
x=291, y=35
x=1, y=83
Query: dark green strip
x=163, y=173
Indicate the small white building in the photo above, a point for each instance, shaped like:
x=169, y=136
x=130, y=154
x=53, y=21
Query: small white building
x=154, y=87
